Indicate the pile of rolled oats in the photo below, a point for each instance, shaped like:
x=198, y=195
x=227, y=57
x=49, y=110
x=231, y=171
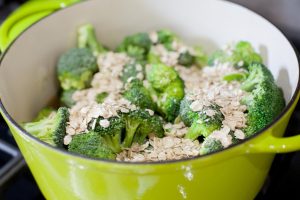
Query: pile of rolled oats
x=160, y=149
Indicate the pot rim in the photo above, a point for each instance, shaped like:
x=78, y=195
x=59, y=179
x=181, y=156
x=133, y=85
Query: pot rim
x=99, y=160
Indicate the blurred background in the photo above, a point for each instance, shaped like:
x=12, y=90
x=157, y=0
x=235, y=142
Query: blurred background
x=16, y=181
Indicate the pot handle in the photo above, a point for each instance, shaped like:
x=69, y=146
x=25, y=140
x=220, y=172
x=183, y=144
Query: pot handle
x=28, y=13
x=273, y=144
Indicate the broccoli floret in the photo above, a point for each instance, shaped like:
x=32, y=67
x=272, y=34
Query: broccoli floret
x=101, y=97
x=132, y=70
x=139, y=124
x=241, y=55
x=258, y=74
x=199, y=122
x=202, y=124
x=137, y=94
x=87, y=39
x=92, y=145
x=50, y=129
x=44, y=113
x=210, y=145
x=186, y=59
x=168, y=87
x=186, y=114
x=75, y=68
x=265, y=100
x=136, y=46
x=66, y=98
x=111, y=134
x=166, y=38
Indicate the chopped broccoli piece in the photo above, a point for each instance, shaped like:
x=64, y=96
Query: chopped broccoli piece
x=132, y=70
x=101, y=142
x=242, y=55
x=199, y=122
x=202, y=123
x=66, y=98
x=50, y=129
x=235, y=77
x=153, y=58
x=136, y=52
x=265, y=100
x=92, y=145
x=136, y=46
x=186, y=59
x=139, y=124
x=210, y=145
x=258, y=73
x=111, y=134
x=87, y=39
x=137, y=94
x=44, y=113
x=168, y=87
x=101, y=97
x=75, y=69
x=166, y=38
x=200, y=58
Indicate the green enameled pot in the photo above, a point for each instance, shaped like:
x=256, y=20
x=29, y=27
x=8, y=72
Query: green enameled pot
x=28, y=83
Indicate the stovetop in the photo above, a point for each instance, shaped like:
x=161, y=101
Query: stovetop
x=16, y=181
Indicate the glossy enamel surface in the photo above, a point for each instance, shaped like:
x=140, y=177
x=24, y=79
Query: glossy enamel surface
x=235, y=173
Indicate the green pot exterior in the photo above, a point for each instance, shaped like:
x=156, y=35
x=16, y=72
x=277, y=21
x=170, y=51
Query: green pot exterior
x=235, y=173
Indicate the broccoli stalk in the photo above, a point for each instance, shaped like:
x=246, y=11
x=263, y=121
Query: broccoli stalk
x=75, y=68
x=211, y=144
x=265, y=99
x=132, y=124
x=50, y=129
x=168, y=87
x=87, y=39
x=44, y=113
x=99, y=142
